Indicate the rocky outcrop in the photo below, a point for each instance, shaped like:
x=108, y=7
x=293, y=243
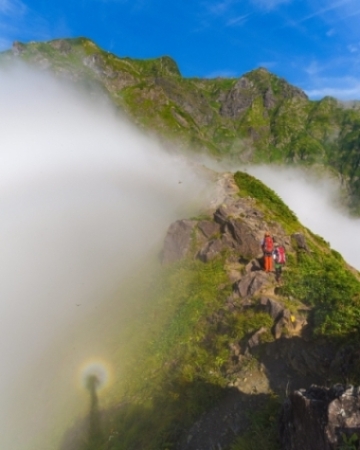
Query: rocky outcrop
x=320, y=418
x=18, y=48
x=300, y=241
x=177, y=241
x=250, y=284
x=239, y=98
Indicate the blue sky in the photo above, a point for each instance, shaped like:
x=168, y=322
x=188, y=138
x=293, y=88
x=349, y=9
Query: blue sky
x=314, y=44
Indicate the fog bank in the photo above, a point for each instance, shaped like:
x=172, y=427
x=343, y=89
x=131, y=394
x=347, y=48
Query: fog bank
x=83, y=198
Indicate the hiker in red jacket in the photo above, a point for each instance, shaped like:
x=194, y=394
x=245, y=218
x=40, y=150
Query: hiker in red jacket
x=268, y=248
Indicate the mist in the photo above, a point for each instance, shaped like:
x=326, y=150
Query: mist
x=84, y=200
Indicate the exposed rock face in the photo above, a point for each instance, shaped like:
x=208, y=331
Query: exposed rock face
x=319, y=418
x=63, y=45
x=239, y=99
x=178, y=240
x=17, y=48
x=250, y=284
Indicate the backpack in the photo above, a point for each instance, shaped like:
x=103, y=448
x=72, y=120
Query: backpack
x=268, y=244
x=280, y=256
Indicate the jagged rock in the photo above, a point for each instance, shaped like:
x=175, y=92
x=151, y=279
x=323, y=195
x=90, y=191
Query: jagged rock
x=177, y=241
x=208, y=228
x=269, y=99
x=279, y=327
x=300, y=241
x=239, y=98
x=253, y=266
x=221, y=215
x=317, y=419
x=255, y=339
x=272, y=307
x=17, y=48
x=63, y=45
x=245, y=241
x=214, y=247
x=250, y=284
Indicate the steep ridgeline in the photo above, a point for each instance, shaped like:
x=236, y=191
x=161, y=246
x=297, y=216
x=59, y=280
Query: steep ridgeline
x=256, y=118
x=223, y=344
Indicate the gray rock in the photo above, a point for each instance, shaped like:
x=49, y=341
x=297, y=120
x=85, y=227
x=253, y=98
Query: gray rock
x=214, y=247
x=253, y=266
x=250, y=284
x=300, y=241
x=273, y=308
x=318, y=418
x=177, y=240
x=245, y=241
x=208, y=228
x=239, y=98
x=255, y=339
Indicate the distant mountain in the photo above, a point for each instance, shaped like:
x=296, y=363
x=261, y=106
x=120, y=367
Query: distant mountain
x=256, y=118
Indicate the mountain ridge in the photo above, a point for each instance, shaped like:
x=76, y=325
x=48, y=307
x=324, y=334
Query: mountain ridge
x=257, y=118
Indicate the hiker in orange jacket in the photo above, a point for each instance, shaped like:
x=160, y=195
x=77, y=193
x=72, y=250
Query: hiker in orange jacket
x=267, y=246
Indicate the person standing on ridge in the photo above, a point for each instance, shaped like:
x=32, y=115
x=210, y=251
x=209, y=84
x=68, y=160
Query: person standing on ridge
x=280, y=260
x=267, y=246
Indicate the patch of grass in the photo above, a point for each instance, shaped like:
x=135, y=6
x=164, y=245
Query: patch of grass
x=263, y=429
x=249, y=186
x=322, y=280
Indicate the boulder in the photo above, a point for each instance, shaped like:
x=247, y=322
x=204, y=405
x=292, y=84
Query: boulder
x=253, y=266
x=272, y=307
x=249, y=284
x=245, y=242
x=208, y=228
x=300, y=241
x=214, y=247
x=255, y=339
x=320, y=418
x=177, y=241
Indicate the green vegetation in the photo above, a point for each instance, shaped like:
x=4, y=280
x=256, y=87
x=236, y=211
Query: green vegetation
x=322, y=280
x=180, y=369
x=276, y=209
x=263, y=429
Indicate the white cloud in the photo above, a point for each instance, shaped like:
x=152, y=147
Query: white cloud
x=313, y=68
x=84, y=199
x=236, y=21
x=267, y=64
x=12, y=8
x=219, y=8
x=269, y=4
x=346, y=88
x=222, y=74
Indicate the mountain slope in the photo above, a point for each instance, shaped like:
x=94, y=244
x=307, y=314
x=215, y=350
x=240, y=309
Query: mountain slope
x=221, y=342
x=256, y=118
